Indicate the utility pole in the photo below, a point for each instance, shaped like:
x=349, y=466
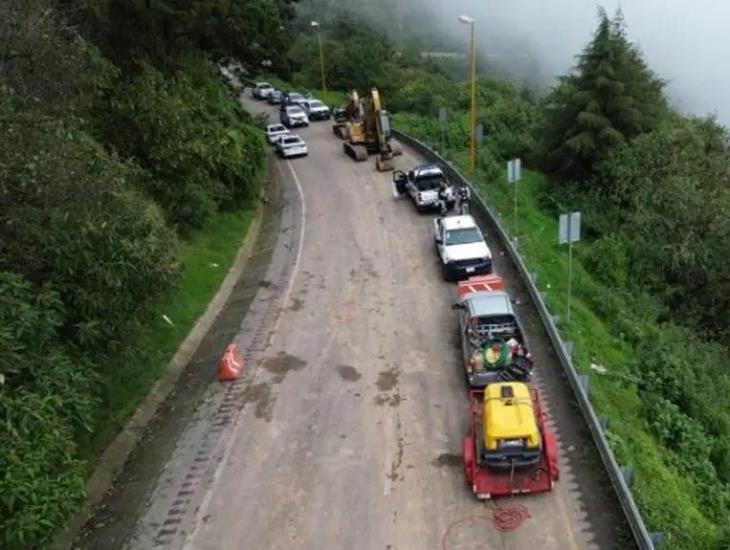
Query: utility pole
x=316, y=25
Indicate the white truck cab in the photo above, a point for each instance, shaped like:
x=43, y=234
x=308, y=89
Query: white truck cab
x=461, y=247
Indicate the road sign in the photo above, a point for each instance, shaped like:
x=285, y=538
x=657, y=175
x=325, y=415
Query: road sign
x=569, y=232
x=442, y=115
x=514, y=170
x=569, y=228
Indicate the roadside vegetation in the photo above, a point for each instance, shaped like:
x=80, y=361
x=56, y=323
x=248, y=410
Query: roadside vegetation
x=651, y=284
x=128, y=174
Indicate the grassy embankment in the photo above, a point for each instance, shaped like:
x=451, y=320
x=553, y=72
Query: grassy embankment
x=205, y=258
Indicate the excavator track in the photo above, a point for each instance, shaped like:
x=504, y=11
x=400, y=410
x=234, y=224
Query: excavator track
x=358, y=153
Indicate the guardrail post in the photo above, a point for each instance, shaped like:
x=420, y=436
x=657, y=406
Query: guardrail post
x=628, y=473
x=585, y=383
x=568, y=347
x=605, y=421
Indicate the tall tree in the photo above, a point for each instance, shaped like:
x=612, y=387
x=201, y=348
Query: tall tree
x=611, y=97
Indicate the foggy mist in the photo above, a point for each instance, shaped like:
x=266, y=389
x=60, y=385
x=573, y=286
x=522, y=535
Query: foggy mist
x=687, y=43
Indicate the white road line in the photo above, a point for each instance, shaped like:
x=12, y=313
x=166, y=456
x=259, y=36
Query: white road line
x=300, y=246
x=205, y=503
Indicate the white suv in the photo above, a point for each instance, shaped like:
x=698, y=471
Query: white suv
x=315, y=109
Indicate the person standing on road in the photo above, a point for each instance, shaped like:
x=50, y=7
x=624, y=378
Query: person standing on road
x=464, y=198
x=444, y=197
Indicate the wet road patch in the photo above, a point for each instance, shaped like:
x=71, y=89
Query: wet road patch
x=348, y=373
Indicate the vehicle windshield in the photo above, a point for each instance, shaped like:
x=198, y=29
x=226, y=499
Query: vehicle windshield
x=316, y=104
x=295, y=97
x=277, y=128
x=428, y=183
x=463, y=236
x=294, y=110
x=264, y=85
x=291, y=141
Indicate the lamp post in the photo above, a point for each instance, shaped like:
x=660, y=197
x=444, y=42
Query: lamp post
x=473, y=122
x=315, y=24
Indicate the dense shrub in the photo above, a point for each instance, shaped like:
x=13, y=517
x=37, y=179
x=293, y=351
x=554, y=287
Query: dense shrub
x=45, y=397
x=192, y=139
x=71, y=220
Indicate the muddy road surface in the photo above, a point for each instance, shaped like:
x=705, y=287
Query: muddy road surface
x=346, y=430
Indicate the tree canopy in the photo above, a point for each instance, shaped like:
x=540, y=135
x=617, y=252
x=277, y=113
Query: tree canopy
x=611, y=97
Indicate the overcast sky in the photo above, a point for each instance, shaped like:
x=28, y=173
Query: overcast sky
x=685, y=42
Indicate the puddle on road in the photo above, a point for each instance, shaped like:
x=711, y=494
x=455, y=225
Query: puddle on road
x=261, y=397
x=448, y=459
x=387, y=379
x=283, y=364
x=348, y=373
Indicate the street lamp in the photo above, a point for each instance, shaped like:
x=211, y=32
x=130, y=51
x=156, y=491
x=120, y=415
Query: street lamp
x=473, y=122
x=315, y=24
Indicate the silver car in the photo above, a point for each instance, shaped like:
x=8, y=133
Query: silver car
x=262, y=90
x=291, y=146
x=275, y=131
x=293, y=115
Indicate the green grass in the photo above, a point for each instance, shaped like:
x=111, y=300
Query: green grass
x=667, y=497
x=205, y=258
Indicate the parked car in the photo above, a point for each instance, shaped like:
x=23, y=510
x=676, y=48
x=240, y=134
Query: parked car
x=293, y=115
x=291, y=146
x=422, y=184
x=274, y=97
x=275, y=131
x=261, y=90
x=315, y=109
x=461, y=247
x=292, y=98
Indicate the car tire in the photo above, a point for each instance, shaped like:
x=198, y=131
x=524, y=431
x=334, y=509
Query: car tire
x=445, y=273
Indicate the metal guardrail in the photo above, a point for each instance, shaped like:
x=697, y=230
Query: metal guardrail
x=578, y=383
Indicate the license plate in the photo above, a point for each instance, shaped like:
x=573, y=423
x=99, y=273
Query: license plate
x=470, y=270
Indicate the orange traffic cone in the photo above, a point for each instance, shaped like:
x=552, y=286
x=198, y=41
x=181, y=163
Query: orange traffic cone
x=230, y=365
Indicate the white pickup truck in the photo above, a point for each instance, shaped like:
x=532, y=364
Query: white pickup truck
x=461, y=247
x=422, y=184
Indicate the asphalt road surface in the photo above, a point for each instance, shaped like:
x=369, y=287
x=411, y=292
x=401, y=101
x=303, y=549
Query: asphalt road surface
x=346, y=430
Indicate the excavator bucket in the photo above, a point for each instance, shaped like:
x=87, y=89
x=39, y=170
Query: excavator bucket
x=383, y=164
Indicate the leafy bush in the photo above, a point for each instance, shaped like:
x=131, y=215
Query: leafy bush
x=607, y=260
x=192, y=139
x=70, y=220
x=45, y=397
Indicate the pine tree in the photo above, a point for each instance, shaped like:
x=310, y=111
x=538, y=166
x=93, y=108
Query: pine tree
x=611, y=97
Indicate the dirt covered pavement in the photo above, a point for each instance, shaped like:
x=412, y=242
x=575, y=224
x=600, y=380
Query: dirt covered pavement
x=346, y=430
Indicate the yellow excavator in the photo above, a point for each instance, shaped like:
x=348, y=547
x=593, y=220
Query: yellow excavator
x=365, y=127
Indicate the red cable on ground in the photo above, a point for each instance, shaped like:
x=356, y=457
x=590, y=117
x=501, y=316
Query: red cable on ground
x=509, y=518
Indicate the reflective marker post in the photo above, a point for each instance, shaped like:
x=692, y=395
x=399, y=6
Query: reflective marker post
x=514, y=173
x=569, y=232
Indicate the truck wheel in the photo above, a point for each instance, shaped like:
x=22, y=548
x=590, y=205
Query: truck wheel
x=445, y=272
